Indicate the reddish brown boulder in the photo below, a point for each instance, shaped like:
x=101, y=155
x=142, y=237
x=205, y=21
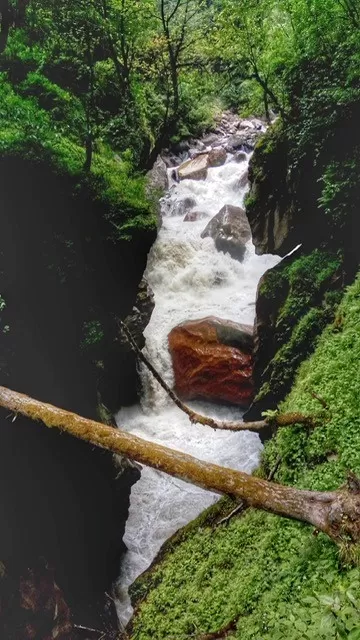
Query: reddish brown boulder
x=212, y=360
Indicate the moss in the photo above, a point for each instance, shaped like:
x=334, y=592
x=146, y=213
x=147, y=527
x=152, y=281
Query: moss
x=277, y=579
x=301, y=302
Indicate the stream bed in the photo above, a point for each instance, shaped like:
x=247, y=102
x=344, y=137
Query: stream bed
x=190, y=280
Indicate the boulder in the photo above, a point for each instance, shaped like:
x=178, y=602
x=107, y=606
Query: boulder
x=182, y=207
x=240, y=156
x=243, y=180
x=244, y=140
x=210, y=139
x=157, y=176
x=230, y=230
x=212, y=360
x=195, y=169
x=246, y=124
x=193, y=216
x=217, y=157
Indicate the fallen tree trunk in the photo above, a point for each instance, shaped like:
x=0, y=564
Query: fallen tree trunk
x=281, y=420
x=336, y=513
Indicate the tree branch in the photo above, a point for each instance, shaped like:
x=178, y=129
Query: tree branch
x=242, y=506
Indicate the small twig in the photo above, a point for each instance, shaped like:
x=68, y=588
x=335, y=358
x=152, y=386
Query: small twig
x=319, y=399
x=274, y=469
x=238, y=509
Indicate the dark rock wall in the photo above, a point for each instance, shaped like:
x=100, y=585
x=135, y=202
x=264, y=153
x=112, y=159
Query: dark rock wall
x=295, y=301
x=63, y=283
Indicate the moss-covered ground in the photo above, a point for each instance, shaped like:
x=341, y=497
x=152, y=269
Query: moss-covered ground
x=277, y=579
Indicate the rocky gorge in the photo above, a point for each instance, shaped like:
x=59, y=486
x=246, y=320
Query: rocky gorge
x=203, y=272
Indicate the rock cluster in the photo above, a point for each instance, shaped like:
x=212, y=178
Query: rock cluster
x=232, y=135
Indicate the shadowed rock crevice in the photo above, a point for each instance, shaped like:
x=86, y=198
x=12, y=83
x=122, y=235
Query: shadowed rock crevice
x=63, y=282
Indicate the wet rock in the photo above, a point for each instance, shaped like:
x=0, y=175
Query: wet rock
x=197, y=145
x=217, y=157
x=243, y=180
x=230, y=230
x=137, y=321
x=212, y=360
x=246, y=124
x=181, y=207
x=195, y=169
x=240, y=156
x=157, y=176
x=140, y=315
x=181, y=147
x=242, y=141
x=258, y=124
x=193, y=216
x=210, y=139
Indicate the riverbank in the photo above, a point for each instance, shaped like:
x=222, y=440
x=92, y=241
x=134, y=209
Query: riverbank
x=273, y=577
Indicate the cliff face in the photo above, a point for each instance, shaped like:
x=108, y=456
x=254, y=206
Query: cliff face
x=295, y=301
x=63, y=282
x=269, y=206
x=297, y=298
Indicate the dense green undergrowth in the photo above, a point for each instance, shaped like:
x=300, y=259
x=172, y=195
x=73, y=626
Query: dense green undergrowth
x=29, y=131
x=276, y=578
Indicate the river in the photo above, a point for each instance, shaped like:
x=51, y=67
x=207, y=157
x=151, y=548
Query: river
x=190, y=280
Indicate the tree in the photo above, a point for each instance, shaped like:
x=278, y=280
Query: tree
x=182, y=25
x=336, y=513
x=248, y=40
x=12, y=14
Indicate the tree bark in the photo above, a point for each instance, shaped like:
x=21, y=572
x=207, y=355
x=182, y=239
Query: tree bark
x=336, y=513
x=6, y=17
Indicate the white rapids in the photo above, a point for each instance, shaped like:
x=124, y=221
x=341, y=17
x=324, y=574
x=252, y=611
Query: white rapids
x=190, y=280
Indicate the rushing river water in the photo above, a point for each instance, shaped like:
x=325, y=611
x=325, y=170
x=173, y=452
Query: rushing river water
x=190, y=280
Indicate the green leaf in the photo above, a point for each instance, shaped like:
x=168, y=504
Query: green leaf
x=328, y=601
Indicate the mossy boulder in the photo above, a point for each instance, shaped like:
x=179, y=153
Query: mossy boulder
x=295, y=301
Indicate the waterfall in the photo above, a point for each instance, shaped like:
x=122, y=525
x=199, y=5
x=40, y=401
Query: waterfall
x=190, y=280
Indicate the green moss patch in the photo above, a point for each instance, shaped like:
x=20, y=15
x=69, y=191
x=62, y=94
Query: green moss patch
x=297, y=298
